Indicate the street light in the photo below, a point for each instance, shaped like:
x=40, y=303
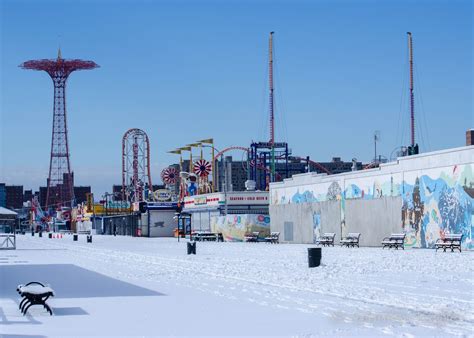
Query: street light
x=224, y=183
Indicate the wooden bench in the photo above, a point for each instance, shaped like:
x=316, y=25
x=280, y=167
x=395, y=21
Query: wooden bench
x=351, y=240
x=327, y=239
x=34, y=293
x=253, y=237
x=274, y=238
x=394, y=241
x=450, y=241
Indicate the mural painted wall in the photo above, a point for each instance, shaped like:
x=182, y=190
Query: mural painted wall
x=436, y=201
x=234, y=227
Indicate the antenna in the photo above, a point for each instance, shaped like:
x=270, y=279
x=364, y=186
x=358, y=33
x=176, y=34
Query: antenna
x=412, y=96
x=413, y=148
x=272, y=115
x=376, y=139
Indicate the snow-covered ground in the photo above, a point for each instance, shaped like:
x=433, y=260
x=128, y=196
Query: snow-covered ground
x=124, y=286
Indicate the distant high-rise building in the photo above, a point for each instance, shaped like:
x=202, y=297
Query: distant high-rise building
x=80, y=193
x=3, y=195
x=117, y=191
x=470, y=137
x=14, y=196
x=28, y=195
x=237, y=170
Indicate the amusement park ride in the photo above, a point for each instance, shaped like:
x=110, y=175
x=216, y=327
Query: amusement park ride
x=60, y=191
x=136, y=178
x=266, y=161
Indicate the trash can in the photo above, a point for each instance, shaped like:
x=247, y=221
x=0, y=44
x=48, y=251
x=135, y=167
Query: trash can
x=314, y=257
x=50, y=235
x=89, y=238
x=191, y=248
x=74, y=237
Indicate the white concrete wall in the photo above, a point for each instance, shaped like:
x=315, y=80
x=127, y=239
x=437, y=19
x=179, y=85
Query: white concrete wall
x=433, y=194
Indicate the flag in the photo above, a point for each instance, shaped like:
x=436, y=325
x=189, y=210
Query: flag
x=194, y=144
x=177, y=151
x=185, y=148
x=209, y=140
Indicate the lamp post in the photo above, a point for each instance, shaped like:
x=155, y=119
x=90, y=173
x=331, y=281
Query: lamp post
x=224, y=183
x=210, y=141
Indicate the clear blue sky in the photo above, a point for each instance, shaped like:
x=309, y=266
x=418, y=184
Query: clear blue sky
x=188, y=70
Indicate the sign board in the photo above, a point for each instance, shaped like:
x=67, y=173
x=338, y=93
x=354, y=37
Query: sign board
x=215, y=200
x=162, y=195
x=200, y=200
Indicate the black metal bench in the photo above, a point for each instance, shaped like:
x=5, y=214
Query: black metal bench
x=351, y=240
x=327, y=239
x=394, y=241
x=274, y=238
x=252, y=237
x=204, y=236
x=34, y=293
x=450, y=241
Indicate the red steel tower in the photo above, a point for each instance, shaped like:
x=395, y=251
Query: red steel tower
x=60, y=190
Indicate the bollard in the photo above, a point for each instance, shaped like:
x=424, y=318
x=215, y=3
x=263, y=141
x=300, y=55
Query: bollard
x=40, y=234
x=74, y=237
x=191, y=248
x=89, y=238
x=50, y=235
x=33, y=233
x=314, y=257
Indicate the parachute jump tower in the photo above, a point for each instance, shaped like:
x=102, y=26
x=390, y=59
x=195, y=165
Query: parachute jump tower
x=60, y=191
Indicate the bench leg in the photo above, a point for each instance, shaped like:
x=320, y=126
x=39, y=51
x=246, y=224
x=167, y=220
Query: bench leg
x=46, y=306
x=26, y=309
x=22, y=303
x=25, y=305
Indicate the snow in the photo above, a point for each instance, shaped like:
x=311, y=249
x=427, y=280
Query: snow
x=5, y=211
x=124, y=286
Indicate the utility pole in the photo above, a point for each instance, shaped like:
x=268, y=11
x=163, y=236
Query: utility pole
x=224, y=165
x=376, y=138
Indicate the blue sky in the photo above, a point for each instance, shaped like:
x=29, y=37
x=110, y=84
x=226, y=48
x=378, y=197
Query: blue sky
x=188, y=70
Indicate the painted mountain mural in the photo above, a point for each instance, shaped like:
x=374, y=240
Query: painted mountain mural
x=431, y=208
